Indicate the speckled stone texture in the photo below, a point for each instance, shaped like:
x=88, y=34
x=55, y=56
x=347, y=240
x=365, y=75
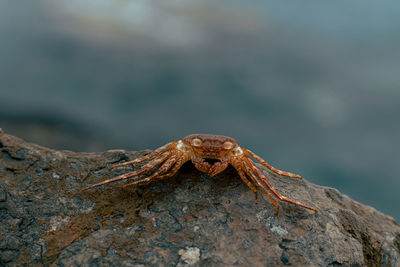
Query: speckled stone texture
x=190, y=219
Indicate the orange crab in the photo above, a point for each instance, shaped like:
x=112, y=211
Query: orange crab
x=198, y=148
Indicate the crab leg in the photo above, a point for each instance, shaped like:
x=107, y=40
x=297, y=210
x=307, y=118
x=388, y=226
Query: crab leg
x=144, y=169
x=165, y=167
x=178, y=160
x=181, y=160
x=240, y=170
x=265, y=181
x=253, y=177
x=264, y=163
x=144, y=158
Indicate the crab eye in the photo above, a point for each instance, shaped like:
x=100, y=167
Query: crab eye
x=227, y=145
x=196, y=142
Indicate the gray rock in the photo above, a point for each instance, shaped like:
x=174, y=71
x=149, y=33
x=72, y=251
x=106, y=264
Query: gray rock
x=188, y=220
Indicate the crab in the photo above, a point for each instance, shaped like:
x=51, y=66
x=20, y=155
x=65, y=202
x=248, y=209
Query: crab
x=198, y=148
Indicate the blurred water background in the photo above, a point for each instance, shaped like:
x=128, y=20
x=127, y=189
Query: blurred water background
x=313, y=87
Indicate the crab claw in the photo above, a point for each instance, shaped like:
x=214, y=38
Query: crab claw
x=217, y=168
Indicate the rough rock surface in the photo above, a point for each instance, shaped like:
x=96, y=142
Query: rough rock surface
x=190, y=219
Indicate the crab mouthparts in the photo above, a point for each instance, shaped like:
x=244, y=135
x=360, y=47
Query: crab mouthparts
x=211, y=161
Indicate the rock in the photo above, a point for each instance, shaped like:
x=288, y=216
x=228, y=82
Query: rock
x=188, y=220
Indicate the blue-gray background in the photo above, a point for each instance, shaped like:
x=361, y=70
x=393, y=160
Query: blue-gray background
x=313, y=87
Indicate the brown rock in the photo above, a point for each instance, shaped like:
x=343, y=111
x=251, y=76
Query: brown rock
x=190, y=219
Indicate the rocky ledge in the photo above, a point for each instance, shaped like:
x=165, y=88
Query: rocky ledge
x=190, y=219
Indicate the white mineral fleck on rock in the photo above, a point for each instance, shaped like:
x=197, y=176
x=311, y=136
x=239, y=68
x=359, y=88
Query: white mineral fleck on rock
x=57, y=221
x=57, y=155
x=262, y=215
x=271, y=222
x=55, y=176
x=116, y=151
x=190, y=255
x=277, y=229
